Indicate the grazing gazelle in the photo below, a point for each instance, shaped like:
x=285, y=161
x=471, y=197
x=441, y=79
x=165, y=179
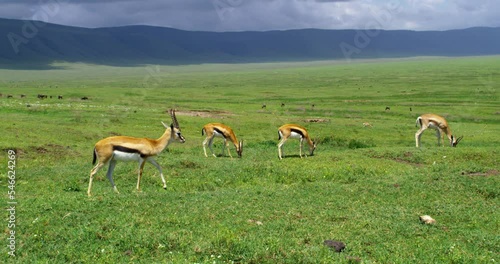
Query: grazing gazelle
x=212, y=130
x=294, y=131
x=439, y=124
x=121, y=148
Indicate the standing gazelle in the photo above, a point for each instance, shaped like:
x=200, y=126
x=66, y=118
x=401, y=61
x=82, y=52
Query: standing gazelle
x=121, y=148
x=212, y=130
x=294, y=131
x=439, y=124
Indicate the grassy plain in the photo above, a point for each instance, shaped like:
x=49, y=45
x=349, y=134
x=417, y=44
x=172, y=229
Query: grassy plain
x=366, y=186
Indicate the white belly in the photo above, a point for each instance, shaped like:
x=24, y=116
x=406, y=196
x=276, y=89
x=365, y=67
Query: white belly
x=295, y=135
x=433, y=126
x=217, y=134
x=125, y=156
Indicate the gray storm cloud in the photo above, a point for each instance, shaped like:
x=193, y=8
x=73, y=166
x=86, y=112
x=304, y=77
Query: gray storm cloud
x=260, y=15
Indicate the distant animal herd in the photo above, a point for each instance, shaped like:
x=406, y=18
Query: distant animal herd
x=41, y=96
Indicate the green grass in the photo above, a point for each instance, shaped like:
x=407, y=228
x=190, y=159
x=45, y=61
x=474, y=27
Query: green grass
x=366, y=186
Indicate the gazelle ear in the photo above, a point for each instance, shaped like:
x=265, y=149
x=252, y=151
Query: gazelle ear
x=165, y=125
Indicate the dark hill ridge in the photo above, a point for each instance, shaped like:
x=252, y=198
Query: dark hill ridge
x=32, y=42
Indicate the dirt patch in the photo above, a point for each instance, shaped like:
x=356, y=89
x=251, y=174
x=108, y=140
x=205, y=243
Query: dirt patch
x=189, y=164
x=40, y=150
x=316, y=120
x=357, y=101
x=482, y=174
x=405, y=158
x=407, y=154
x=47, y=149
x=54, y=148
x=407, y=162
x=204, y=113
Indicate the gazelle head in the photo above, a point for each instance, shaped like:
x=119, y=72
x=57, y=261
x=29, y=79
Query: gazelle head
x=312, y=148
x=174, y=128
x=240, y=149
x=454, y=141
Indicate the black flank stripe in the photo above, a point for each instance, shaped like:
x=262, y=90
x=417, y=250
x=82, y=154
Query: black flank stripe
x=220, y=132
x=128, y=150
x=297, y=131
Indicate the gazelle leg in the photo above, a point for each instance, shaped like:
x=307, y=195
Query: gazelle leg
x=142, y=162
x=227, y=147
x=210, y=142
x=223, y=148
x=300, y=147
x=109, y=174
x=204, y=146
x=92, y=173
x=152, y=161
x=438, y=135
x=280, y=145
x=418, y=135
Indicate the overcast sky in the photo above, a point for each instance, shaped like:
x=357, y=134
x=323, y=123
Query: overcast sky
x=241, y=15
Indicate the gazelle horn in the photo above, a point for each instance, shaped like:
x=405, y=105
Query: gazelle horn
x=174, y=119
